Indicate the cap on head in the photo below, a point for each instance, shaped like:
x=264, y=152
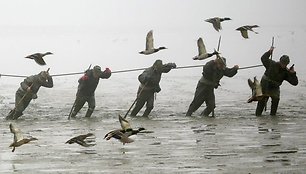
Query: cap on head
x=222, y=60
x=97, y=68
x=158, y=64
x=284, y=59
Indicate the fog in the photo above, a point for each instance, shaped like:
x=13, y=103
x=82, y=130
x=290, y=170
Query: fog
x=111, y=33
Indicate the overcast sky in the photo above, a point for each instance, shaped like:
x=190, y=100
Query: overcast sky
x=112, y=32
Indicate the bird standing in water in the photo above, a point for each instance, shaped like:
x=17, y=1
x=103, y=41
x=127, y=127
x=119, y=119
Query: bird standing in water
x=202, y=51
x=216, y=21
x=38, y=57
x=244, y=30
x=18, y=138
x=150, y=46
x=81, y=140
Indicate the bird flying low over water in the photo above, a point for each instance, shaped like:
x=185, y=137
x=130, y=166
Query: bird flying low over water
x=244, y=30
x=150, y=46
x=38, y=57
x=124, y=133
x=81, y=140
x=18, y=138
x=216, y=22
x=202, y=51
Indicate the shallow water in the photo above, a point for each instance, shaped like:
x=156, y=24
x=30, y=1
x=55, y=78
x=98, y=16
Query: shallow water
x=235, y=141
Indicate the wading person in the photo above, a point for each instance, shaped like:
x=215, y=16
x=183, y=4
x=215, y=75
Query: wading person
x=213, y=71
x=275, y=74
x=86, y=90
x=27, y=91
x=149, y=84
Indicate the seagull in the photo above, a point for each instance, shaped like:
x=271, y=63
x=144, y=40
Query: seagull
x=18, y=138
x=202, y=51
x=216, y=21
x=124, y=133
x=244, y=30
x=81, y=140
x=149, y=45
x=38, y=57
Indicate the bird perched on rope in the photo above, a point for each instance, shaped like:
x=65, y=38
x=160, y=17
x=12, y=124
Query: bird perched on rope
x=124, y=133
x=38, y=57
x=150, y=46
x=244, y=30
x=202, y=51
x=81, y=140
x=18, y=138
x=216, y=22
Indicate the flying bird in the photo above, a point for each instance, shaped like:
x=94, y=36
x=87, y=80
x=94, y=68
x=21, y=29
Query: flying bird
x=244, y=30
x=216, y=22
x=124, y=133
x=81, y=140
x=18, y=138
x=38, y=57
x=150, y=46
x=202, y=51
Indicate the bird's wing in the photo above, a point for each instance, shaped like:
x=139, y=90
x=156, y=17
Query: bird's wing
x=244, y=33
x=251, y=84
x=124, y=123
x=149, y=40
x=33, y=56
x=17, y=133
x=124, y=139
x=217, y=24
x=201, y=47
x=40, y=61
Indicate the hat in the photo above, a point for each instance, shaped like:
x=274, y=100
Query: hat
x=284, y=59
x=97, y=68
x=158, y=64
x=222, y=60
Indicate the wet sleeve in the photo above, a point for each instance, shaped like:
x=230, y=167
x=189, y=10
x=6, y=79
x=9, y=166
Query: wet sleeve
x=292, y=78
x=230, y=72
x=266, y=61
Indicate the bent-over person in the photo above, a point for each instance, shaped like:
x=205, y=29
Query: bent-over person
x=212, y=73
x=27, y=91
x=86, y=90
x=149, y=85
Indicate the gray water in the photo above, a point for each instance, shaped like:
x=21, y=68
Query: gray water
x=235, y=141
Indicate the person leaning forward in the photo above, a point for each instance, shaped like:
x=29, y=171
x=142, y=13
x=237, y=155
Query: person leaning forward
x=27, y=91
x=149, y=85
x=86, y=90
x=274, y=75
x=213, y=71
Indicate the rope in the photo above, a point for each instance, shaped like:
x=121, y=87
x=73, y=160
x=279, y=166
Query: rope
x=122, y=71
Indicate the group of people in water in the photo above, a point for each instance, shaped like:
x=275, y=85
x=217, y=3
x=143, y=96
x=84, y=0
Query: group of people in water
x=276, y=72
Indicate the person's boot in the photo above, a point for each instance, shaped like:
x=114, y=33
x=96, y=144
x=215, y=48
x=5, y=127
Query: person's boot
x=17, y=114
x=73, y=114
x=88, y=113
x=146, y=112
x=189, y=112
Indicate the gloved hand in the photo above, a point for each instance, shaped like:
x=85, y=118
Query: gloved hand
x=157, y=89
x=172, y=65
x=107, y=72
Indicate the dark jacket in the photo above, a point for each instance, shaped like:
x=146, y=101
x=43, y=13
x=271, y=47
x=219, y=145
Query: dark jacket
x=35, y=81
x=150, y=78
x=275, y=74
x=88, y=83
x=211, y=74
